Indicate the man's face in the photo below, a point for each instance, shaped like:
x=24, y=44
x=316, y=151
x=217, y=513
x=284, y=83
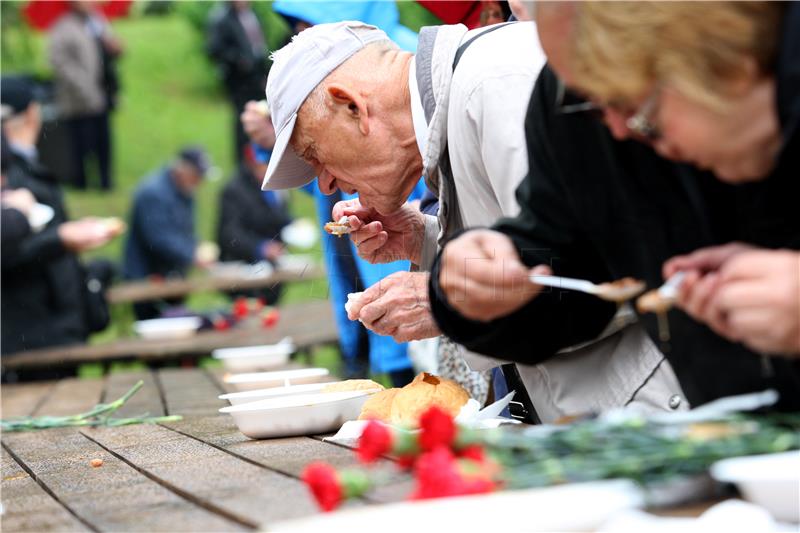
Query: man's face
x=737, y=146
x=380, y=166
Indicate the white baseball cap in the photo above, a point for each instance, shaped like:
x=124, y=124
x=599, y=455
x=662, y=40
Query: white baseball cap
x=297, y=69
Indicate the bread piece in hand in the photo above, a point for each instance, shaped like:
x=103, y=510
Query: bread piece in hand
x=352, y=384
x=338, y=228
x=379, y=406
x=426, y=390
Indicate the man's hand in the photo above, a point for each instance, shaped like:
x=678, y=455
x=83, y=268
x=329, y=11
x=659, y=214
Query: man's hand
x=258, y=125
x=757, y=301
x=84, y=234
x=384, y=238
x=397, y=306
x=20, y=199
x=272, y=250
x=483, y=278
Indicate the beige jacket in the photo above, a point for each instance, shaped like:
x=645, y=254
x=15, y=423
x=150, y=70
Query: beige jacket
x=77, y=64
x=479, y=114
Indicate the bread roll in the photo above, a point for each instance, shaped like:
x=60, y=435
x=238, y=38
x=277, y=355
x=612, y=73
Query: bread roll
x=426, y=390
x=379, y=406
x=352, y=384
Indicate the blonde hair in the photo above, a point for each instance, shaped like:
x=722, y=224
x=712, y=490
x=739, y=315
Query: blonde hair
x=620, y=49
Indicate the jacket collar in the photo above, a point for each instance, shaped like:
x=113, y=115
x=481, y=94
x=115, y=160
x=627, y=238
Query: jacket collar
x=436, y=50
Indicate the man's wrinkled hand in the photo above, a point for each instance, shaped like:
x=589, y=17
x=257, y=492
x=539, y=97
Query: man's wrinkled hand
x=483, y=277
x=397, y=306
x=383, y=238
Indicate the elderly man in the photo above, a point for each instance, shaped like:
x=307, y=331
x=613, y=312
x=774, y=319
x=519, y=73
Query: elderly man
x=369, y=118
x=715, y=114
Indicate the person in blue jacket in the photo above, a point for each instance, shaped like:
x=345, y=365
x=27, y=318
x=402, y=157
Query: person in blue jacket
x=161, y=237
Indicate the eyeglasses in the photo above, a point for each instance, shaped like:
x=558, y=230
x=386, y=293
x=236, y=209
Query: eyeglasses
x=641, y=122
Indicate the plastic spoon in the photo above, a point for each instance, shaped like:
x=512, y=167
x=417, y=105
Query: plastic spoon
x=615, y=291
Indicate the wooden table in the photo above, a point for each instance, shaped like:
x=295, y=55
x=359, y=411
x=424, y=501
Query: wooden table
x=197, y=474
x=309, y=324
x=139, y=291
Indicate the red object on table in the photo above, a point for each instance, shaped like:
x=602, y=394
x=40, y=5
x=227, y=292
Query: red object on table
x=270, y=318
x=455, y=11
x=41, y=14
x=240, y=308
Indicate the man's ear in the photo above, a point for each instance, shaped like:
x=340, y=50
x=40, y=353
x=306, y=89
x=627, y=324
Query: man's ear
x=355, y=103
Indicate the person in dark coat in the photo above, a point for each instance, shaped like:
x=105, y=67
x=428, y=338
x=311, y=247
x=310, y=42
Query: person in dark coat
x=603, y=202
x=251, y=220
x=43, y=283
x=235, y=41
x=161, y=237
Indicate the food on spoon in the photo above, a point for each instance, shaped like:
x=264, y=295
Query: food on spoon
x=379, y=406
x=653, y=302
x=338, y=228
x=352, y=384
x=621, y=290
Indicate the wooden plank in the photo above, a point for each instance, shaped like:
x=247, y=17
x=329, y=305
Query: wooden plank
x=189, y=391
x=112, y=497
x=27, y=507
x=309, y=324
x=72, y=396
x=146, y=401
x=214, y=478
x=22, y=399
x=138, y=291
x=286, y=455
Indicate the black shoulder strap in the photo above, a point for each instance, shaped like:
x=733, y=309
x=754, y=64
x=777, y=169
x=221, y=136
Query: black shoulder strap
x=463, y=47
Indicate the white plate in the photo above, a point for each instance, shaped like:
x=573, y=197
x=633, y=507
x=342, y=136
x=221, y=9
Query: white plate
x=168, y=328
x=238, y=398
x=573, y=507
x=772, y=481
x=39, y=216
x=255, y=357
x=303, y=414
x=302, y=233
x=282, y=378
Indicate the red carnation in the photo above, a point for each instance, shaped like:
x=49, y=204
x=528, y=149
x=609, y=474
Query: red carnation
x=437, y=475
x=270, y=318
x=375, y=441
x=240, y=308
x=323, y=481
x=473, y=452
x=436, y=429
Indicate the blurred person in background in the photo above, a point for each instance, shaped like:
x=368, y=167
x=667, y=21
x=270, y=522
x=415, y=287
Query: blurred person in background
x=83, y=52
x=48, y=297
x=698, y=147
x=235, y=41
x=251, y=220
x=162, y=241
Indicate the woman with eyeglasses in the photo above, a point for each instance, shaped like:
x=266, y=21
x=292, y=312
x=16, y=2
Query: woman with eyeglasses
x=663, y=138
